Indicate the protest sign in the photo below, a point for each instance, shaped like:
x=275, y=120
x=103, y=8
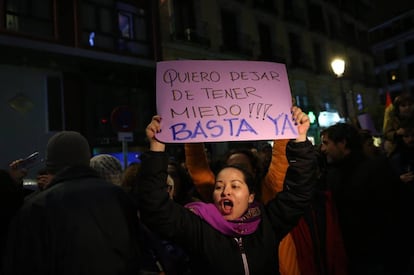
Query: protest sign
x=215, y=100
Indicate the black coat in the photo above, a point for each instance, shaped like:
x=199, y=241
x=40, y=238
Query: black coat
x=366, y=196
x=80, y=224
x=210, y=251
x=11, y=199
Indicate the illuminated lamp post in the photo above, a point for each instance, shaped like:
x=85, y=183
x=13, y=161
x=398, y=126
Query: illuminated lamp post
x=338, y=67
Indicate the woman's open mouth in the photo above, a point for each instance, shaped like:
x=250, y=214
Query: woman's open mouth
x=227, y=206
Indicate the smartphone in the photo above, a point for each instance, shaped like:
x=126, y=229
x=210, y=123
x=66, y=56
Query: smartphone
x=30, y=161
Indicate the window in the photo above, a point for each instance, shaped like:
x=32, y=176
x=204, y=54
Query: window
x=133, y=29
x=266, y=45
x=333, y=26
x=34, y=17
x=96, y=31
x=349, y=32
x=230, y=33
x=393, y=76
x=132, y=22
x=184, y=19
x=267, y=5
x=295, y=49
x=390, y=54
x=353, y=67
x=316, y=19
x=289, y=7
x=359, y=102
x=409, y=47
x=124, y=28
x=410, y=71
x=319, y=57
x=367, y=71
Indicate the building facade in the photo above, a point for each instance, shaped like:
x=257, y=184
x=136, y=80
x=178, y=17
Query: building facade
x=67, y=65
x=70, y=64
x=393, y=49
x=304, y=35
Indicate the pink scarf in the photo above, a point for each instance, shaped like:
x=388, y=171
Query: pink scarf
x=245, y=225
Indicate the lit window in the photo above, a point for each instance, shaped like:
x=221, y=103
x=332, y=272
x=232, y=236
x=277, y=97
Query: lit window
x=359, y=102
x=392, y=76
x=92, y=39
x=124, y=22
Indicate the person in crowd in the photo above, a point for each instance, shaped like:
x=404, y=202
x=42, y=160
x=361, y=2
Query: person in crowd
x=403, y=110
x=368, y=146
x=402, y=159
x=271, y=182
x=365, y=197
x=201, y=172
x=315, y=245
x=159, y=256
x=11, y=197
x=80, y=224
x=43, y=179
x=167, y=256
x=317, y=237
x=235, y=234
x=184, y=189
x=402, y=163
x=264, y=152
x=129, y=176
x=108, y=167
x=170, y=186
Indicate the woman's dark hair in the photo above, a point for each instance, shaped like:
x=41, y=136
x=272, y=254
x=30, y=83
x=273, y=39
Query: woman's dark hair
x=255, y=162
x=249, y=178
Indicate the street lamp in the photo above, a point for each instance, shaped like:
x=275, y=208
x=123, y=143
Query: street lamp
x=338, y=67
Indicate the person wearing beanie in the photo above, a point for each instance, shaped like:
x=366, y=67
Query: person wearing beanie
x=67, y=148
x=79, y=224
x=108, y=167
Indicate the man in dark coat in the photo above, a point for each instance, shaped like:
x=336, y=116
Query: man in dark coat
x=366, y=197
x=80, y=224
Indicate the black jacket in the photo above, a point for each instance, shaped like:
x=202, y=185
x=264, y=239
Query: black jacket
x=80, y=224
x=210, y=251
x=366, y=196
x=11, y=199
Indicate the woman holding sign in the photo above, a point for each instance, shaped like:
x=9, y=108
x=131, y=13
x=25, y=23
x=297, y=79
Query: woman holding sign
x=234, y=234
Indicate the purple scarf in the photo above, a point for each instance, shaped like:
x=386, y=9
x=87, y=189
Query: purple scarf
x=245, y=225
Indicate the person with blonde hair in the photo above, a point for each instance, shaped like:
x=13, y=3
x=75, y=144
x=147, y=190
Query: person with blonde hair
x=403, y=110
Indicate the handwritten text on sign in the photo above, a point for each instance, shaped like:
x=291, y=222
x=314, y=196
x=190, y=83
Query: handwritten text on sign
x=209, y=101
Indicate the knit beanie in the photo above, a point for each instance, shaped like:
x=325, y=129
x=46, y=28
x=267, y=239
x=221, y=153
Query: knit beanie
x=67, y=148
x=108, y=167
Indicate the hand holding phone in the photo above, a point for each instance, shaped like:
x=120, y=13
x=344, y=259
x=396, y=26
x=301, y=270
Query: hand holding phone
x=29, y=161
